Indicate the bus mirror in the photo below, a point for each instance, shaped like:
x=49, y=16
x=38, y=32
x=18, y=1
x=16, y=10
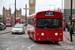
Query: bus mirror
x=33, y=19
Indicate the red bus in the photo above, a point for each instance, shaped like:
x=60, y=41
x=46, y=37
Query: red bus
x=9, y=22
x=18, y=20
x=45, y=26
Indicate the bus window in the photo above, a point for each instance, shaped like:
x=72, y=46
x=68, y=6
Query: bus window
x=49, y=23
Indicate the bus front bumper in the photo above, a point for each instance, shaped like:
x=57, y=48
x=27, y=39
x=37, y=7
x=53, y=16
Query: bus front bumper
x=49, y=39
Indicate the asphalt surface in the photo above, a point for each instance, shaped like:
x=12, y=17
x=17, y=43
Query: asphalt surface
x=7, y=30
x=22, y=42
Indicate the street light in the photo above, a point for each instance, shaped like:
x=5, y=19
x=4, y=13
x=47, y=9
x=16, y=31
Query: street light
x=71, y=14
x=26, y=13
x=15, y=11
x=64, y=14
x=53, y=5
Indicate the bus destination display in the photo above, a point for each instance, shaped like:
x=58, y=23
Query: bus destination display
x=49, y=13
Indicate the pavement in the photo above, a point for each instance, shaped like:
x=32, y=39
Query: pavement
x=67, y=36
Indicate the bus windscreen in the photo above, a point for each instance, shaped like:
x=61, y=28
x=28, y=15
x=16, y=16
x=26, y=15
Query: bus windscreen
x=49, y=23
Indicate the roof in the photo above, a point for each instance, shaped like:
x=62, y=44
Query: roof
x=34, y=15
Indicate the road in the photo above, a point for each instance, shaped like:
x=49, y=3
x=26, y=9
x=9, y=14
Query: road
x=8, y=29
x=22, y=42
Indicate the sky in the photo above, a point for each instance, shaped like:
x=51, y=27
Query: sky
x=40, y=5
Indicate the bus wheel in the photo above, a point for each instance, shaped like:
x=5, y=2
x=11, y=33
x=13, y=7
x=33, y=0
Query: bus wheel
x=56, y=42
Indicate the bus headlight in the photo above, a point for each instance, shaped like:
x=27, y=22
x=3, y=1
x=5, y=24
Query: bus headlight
x=56, y=34
x=42, y=34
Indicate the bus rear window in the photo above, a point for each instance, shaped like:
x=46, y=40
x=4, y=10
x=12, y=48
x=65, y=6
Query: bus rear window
x=49, y=23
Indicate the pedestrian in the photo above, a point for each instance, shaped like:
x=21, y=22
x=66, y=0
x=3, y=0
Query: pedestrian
x=71, y=32
x=68, y=27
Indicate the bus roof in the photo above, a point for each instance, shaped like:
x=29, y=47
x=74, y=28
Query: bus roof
x=34, y=14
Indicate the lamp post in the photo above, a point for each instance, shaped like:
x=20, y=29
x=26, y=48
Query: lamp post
x=15, y=11
x=53, y=5
x=26, y=13
x=64, y=15
x=71, y=14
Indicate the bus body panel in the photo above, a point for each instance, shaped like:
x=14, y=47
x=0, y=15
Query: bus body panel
x=49, y=33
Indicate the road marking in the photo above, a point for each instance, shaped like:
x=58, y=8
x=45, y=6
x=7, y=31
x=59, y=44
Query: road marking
x=42, y=48
x=25, y=36
x=29, y=47
x=7, y=48
x=23, y=47
x=68, y=47
x=16, y=36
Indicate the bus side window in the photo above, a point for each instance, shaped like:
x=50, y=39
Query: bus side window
x=34, y=23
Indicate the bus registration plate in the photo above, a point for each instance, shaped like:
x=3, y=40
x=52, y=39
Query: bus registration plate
x=49, y=38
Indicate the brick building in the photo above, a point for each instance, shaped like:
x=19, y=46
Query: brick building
x=7, y=13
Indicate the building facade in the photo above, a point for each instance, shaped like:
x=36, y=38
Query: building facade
x=67, y=9
x=32, y=4
x=1, y=18
x=7, y=13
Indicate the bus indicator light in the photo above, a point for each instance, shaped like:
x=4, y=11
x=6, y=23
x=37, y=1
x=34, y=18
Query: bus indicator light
x=37, y=33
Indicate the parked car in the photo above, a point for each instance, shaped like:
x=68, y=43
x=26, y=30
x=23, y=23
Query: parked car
x=2, y=26
x=18, y=28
